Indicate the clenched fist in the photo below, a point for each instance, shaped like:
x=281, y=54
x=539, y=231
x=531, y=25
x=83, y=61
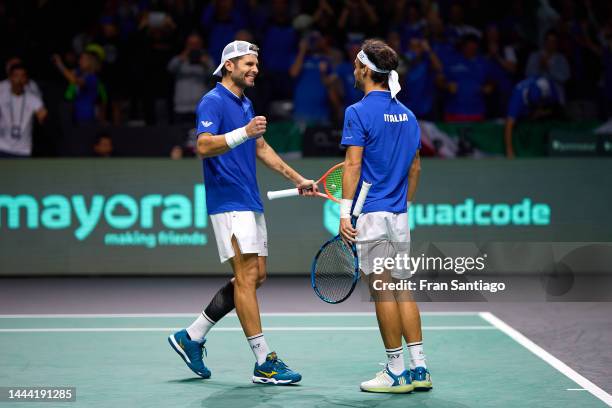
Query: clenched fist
x=256, y=127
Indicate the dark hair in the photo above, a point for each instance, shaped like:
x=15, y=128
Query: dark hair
x=15, y=67
x=552, y=32
x=470, y=37
x=234, y=60
x=381, y=55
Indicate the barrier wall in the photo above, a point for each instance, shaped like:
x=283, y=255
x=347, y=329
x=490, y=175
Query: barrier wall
x=148, y=216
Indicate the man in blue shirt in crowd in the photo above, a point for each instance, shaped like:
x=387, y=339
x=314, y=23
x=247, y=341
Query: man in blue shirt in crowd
x=382, y=138
x=280, y=41
x=314, y=97
x=229, y=140
x=534, y=98
x=222, y=20
x=423, y=69
x=344, y=72
x=466, y=83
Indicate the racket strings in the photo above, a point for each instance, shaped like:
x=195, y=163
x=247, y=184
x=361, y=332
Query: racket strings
x=333, y=183
x=335, y=271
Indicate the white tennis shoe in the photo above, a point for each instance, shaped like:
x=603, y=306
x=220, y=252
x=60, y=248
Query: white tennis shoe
x=386, y=381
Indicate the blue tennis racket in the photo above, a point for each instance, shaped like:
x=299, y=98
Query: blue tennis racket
x=335, y=268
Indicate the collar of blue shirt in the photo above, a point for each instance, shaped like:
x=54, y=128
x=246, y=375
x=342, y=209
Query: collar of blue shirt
x=222, y=88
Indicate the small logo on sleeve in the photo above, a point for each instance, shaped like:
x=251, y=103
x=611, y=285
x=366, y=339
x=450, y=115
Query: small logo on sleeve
x=206, y=123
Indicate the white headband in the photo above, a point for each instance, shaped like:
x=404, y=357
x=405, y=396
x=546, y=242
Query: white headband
x=393, y=82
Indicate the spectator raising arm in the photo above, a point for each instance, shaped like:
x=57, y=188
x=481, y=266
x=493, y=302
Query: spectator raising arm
x=350, y=6
x=436, y=64
x=296, y=68
x=323, y=12
x=70, y=75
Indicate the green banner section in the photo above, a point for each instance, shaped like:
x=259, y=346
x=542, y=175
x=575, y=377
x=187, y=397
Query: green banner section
x=149, y=216
x=530, y=138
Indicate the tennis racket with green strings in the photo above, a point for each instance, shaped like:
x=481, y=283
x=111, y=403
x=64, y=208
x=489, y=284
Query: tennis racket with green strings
x=332, y=186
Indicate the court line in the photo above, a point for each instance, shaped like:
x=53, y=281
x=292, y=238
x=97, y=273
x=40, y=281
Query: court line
x=547, y=357
x=136, y=315
x=225, y=329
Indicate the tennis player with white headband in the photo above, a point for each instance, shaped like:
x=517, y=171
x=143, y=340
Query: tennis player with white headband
x=229, y=140
x=382, y=137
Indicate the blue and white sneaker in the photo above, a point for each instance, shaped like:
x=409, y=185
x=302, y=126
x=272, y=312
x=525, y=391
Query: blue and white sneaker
x=421, y=379
x=386, y=381
x=274, y=371
x=190, y=351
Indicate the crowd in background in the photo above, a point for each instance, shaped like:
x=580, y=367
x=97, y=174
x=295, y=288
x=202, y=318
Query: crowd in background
x=130, y=62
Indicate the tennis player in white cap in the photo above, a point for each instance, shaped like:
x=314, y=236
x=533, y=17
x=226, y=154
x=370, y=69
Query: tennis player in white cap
x=229, y=140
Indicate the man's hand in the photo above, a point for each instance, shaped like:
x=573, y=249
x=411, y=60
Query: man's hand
x=304, y=46
x=487, y=89
x=347, y=232
x=308, y=188
x=57, y=61
x=256, y=127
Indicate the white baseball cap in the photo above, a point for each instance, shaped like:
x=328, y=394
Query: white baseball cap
x=233, y=50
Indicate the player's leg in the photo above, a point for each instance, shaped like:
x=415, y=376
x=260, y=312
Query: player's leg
x=189, y=342
x=246, y=276
x=249, y=265
x=220, y=305
x=372, y=246
x=411, y=328
x=394, y=378
x=409, y=311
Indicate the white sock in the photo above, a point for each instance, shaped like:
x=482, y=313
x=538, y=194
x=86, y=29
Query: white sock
x=200, y=327
x=417, y=356
x=396, y=360
x=260, y=347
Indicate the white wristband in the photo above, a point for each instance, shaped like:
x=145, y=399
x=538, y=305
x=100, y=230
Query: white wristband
x=236, y=137
x=345, y=208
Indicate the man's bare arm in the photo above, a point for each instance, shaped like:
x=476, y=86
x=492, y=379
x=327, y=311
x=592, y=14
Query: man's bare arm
x=350, y=178
x=41, y=115
x=413, y=176
x=352, y=171
x=508, y=130
x=210, y=145
x=273, y=161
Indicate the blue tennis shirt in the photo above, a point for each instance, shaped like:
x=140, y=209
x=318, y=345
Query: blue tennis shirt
x=230, y=178
x=390, y=136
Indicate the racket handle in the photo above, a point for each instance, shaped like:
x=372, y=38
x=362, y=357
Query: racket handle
x=290, y=192
x=363, y=193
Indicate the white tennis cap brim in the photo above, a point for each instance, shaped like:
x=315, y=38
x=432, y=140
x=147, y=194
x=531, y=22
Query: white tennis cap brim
x=233, y=50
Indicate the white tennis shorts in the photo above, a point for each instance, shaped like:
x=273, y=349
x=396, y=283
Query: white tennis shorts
x=383, y=234
x=248, y=227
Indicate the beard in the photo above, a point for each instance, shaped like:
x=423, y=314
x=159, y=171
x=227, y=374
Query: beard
x=358, y=85
x=240, y=80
